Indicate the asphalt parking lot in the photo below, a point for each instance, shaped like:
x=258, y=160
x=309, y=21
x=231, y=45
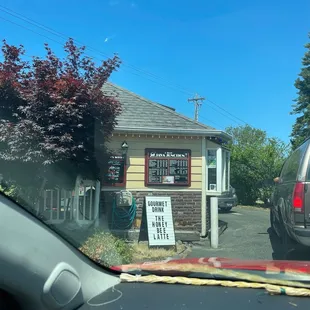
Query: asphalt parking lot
x=248, y=236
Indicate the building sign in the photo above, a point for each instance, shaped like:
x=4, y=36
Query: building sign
x=115, y=174
x=167, y=167
x=159, y=221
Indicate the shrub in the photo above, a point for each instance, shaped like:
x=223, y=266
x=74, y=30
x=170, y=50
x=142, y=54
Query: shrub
x=9, y=191
x=106, y=249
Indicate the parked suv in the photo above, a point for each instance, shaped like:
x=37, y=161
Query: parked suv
x=227, y=200
x=290, y=207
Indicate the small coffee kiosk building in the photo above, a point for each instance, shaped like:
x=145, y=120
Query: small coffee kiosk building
x=159, y=152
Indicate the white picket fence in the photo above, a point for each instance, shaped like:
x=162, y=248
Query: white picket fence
x=82, y=206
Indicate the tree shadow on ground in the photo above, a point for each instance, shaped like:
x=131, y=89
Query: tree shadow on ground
x=296, y=252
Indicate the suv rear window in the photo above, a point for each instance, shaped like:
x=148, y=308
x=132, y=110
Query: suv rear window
x=291, y=166
x=308, y=172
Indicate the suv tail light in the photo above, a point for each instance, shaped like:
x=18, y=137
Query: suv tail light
x=299, y=197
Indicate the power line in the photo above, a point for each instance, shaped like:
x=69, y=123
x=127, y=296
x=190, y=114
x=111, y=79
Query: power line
x=29, y=29
x=61, y=43
x=54, y=32
x=232, y=119
x=227, y=112
x=212, y=122
x=156, y=82
x=172, y=85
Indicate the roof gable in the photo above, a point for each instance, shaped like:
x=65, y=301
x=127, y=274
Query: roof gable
x=142, y=113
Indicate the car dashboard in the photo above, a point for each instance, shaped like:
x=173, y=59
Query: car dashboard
x=171, y=296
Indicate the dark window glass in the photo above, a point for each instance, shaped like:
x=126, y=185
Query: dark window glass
x=291, y=166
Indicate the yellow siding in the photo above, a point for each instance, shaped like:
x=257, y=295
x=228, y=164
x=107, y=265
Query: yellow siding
x=136, y=157
x=196, y=170
x=135, y=169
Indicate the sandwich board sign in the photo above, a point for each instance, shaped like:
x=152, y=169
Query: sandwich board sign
x=159, y=218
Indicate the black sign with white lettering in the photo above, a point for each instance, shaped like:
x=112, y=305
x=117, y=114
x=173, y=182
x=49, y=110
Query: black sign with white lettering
x=115, y=174
x=167, y=167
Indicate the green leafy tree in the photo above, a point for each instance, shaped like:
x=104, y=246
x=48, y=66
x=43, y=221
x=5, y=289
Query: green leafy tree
x=255, y=160
x=301, y=128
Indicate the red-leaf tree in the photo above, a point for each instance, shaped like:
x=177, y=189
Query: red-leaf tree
x=54, y=117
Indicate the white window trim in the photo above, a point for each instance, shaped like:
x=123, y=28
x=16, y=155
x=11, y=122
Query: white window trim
x=228, y=170
x=224, y=166
x=218, y=170
x=223, y=170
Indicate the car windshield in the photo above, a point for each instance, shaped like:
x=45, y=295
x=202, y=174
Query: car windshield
x=144, y=131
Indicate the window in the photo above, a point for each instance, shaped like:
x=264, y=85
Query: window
x=291, y=166
x=218, y=170
x=212, y=170
x=167, y=167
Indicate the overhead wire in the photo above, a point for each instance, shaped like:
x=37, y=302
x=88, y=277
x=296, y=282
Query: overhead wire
x=150, y=75
x=64, y=36
x=211, y=122
x=29, y=29
x=224, y=115
x=227, y=112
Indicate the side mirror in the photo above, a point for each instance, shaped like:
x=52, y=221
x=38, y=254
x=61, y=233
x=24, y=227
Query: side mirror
x=276, y=180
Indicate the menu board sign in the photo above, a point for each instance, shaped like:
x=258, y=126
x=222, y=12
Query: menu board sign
x=167, y=167
x=159, y=221
x=115, y=173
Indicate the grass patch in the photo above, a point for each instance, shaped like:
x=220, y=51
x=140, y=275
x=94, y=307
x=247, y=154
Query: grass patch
x=106, y=249
x=143, y=253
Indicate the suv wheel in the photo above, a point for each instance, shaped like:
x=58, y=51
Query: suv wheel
x=289, y=246
x=275, y=225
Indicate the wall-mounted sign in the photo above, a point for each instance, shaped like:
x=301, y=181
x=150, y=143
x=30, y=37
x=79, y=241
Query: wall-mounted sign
x=115, y=173
x=159, y=221
x=167, y=167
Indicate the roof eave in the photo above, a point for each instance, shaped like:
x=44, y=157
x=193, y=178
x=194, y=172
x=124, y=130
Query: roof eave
x=175, y=131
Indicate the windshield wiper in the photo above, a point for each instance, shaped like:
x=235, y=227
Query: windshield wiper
x=294, y=279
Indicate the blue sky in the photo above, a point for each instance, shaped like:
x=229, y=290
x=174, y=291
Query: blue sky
x=242, y=55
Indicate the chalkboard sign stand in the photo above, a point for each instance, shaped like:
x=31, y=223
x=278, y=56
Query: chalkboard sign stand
x=143, y=235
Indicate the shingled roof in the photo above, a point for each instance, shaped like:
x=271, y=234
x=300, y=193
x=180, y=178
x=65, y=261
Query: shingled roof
x=145, y=115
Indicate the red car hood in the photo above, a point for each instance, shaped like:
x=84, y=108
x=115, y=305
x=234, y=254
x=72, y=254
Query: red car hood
x=266, y=266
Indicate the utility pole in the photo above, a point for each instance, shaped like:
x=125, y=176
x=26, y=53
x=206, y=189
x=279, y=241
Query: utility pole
x=198, y=103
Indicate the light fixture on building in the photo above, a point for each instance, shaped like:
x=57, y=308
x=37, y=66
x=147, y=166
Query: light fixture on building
x=124, y=148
